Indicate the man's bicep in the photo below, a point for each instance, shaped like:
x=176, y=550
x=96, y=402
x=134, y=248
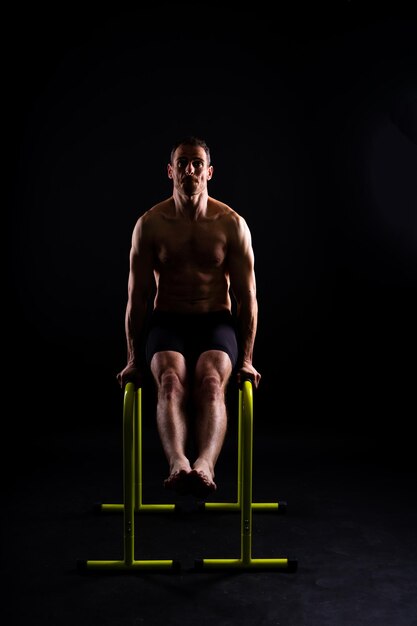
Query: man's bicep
x=242, y=265
x=141, y=277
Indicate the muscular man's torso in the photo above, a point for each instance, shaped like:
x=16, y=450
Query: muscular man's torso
x=190, y=258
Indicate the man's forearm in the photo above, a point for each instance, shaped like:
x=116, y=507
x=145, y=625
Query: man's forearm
x=135, y=332
x=247, y=315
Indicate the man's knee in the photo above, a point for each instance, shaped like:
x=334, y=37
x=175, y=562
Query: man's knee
x=171, y=385
x=209, y=387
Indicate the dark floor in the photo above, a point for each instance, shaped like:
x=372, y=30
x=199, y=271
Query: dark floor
x=350, y=524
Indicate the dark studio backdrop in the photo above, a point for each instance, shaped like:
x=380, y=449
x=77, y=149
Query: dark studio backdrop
x=311, y=119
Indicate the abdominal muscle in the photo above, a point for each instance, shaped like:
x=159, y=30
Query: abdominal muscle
x=200, y=292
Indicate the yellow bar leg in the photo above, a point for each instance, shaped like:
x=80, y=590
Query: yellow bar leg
x=246, y=450
x=140, y=507
x=246, y=484
x=273, y=507
x=129, y=473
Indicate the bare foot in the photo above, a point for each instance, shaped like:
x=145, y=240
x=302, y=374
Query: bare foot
x=199, y=485
x=200, y=480
x=177, y=480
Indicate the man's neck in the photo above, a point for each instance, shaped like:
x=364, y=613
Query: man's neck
x=191, y=207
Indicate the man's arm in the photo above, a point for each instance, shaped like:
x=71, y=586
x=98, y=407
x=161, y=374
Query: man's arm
x=140, y=285
x=243, y=286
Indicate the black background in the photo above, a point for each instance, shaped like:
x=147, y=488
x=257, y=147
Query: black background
x=310, y=112
x=310, y=115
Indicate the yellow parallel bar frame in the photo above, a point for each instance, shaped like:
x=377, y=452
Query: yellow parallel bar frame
x=236, y=506
x=140, y=506
x=131, y=491
x=245, y=496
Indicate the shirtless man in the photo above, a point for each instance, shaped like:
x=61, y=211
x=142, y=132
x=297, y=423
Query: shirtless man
x=193, y=253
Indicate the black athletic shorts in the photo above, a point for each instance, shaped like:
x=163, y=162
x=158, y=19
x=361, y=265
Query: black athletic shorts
x=192, y=333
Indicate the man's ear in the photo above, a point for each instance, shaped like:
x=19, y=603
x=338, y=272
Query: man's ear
x=210, y=173
x=169, y=170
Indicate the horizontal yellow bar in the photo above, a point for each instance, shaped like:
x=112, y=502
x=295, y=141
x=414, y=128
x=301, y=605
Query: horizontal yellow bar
x=239, y=563
x=145, y=508
x=156, y=508
x=136, y=565
x=265, y=506
x=235, y=506
x=111, y=507
x=221, y=506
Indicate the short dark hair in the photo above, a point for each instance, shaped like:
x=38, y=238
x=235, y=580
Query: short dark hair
x=191, y=140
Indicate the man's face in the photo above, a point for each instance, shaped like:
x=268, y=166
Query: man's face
x=190, y=170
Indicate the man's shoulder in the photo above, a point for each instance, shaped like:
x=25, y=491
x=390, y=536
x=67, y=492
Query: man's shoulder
x=224, y=210
x=156, y=212
x=148, y=224
x=235, y=224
